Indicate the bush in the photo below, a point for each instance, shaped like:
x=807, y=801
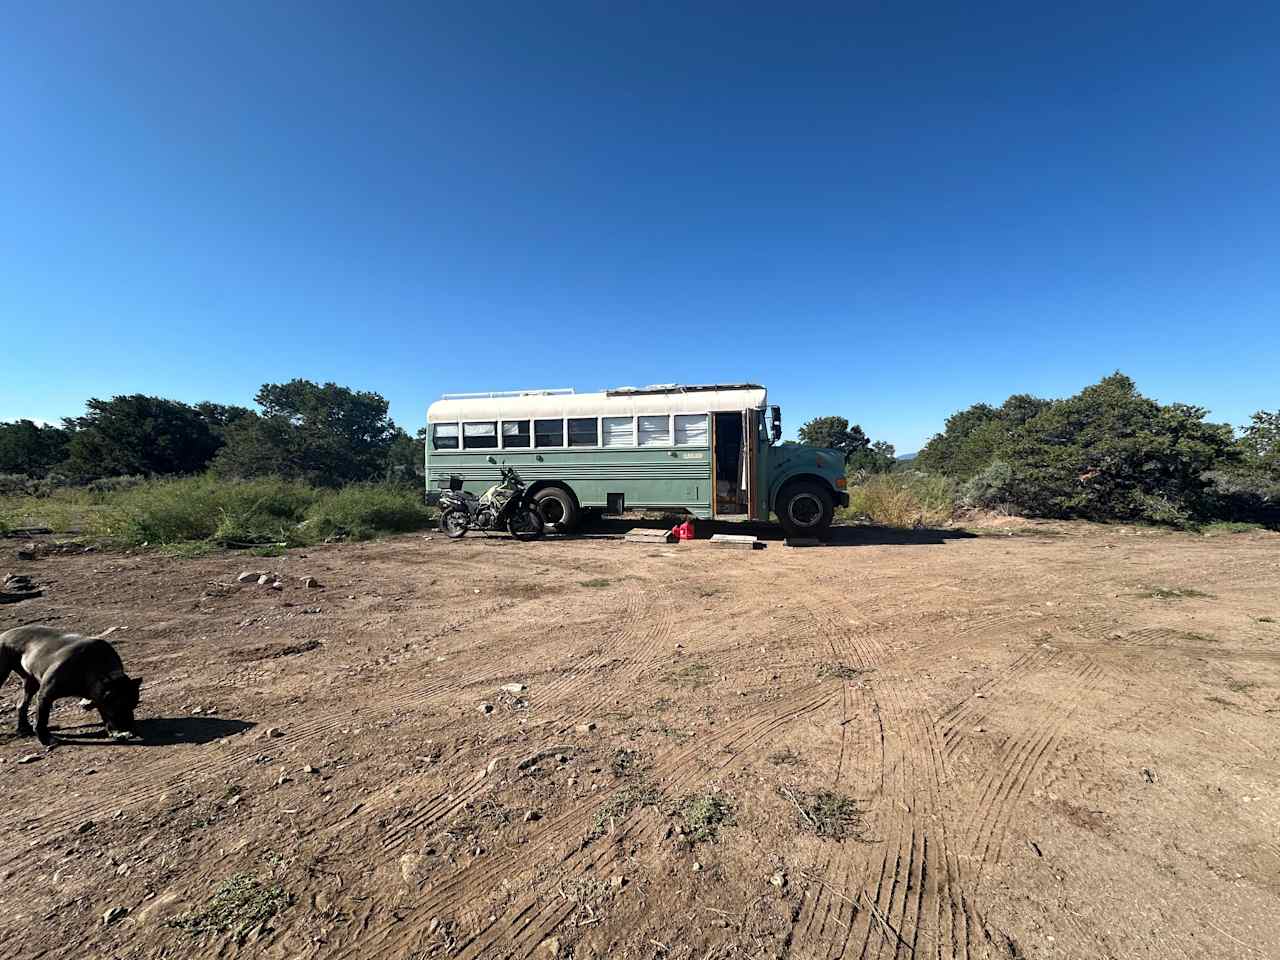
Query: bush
x=909, y=499
x=202, y=508
x=989, y=489
x=363, y=511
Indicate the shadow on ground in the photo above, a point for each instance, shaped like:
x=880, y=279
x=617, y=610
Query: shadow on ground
x=155, y=732
x=841, y=535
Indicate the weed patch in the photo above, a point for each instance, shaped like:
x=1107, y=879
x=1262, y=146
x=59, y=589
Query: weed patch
x=629, y=798
x=1174, y=593
x=826, y=813
x=784, y=758
x=240, y=905
x=691, y=675
x=703, y=816
x=597, y=582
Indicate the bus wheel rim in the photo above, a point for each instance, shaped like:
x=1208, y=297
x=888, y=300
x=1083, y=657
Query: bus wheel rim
x=809, y=512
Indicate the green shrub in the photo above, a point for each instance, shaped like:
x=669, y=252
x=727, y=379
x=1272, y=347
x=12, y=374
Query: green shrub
x=202, y=508
x=363, y=511
x=990, y=488
x=910, y=499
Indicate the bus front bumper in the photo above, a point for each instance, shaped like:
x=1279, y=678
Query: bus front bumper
x=841, y=498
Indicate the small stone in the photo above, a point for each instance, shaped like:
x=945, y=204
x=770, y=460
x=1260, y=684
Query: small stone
x=492, y=767
x=309, y=769
x=274, y=732
x=572, y=781
x=29, y=758
x=409, y=864
x=979, y=729
x=113, y=915
x=584, y=727
x=779, y=879
x=551, y=946
x=85, y=827
x=619, y=882
x=277, y=585
x=234, y=800
x=486, y=707
x=531, y=815
x=264, y=579
x=283, y=779
x=561, y=758
x=249, y=575
x=514, y=688
x=31, y=555
x=476, y=590
x=311, y=583
x=697, y=867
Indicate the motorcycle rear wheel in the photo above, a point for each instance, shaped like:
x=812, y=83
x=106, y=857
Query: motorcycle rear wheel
x=453, y=524
x=525, y=524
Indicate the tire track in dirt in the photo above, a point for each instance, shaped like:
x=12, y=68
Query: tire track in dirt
x=1020, y=759
x=918, y=894
x=674, y=769
x=441, y=805
x=136, y=785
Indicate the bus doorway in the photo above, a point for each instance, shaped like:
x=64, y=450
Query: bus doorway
x=731, y=475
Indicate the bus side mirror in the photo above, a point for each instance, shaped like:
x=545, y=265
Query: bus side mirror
x=775, y=423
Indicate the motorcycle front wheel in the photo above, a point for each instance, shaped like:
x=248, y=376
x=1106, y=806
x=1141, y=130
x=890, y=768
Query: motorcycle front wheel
x=453, y=524
x=525, y=524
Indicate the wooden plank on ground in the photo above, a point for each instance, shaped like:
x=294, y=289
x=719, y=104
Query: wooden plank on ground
x=646, y=535
x=733, y=541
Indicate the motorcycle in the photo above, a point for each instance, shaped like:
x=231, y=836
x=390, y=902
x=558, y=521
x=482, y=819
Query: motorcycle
x=505, y=504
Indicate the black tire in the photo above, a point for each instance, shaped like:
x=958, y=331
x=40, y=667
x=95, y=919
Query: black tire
x=453, y=524
x=805, y=509
x=557, y=508
x=525, y=524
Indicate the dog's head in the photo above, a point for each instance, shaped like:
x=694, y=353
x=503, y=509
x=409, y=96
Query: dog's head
x=118, y=701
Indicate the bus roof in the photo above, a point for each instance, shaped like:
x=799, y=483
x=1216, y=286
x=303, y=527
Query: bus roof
x=618, y=402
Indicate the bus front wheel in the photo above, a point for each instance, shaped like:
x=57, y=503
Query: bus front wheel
x=804, y=509
x=557, y=508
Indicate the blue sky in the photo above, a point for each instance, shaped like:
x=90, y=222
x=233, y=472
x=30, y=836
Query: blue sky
x=887, y=211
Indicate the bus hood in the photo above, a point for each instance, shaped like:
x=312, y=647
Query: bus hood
x=825, y=459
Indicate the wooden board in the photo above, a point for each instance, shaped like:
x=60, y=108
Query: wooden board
x=733, y=541
x=647, y=535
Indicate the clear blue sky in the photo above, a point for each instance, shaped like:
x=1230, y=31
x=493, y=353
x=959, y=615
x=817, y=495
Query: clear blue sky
x=888, y=211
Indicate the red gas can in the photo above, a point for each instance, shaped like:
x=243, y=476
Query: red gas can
x=684, y=531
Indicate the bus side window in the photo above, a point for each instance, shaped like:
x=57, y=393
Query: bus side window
x=654, y=431
x=582, y=431
x=515, y=433
x=691, y=430
x=548, y=433
x=444, y=436
x=480, y=436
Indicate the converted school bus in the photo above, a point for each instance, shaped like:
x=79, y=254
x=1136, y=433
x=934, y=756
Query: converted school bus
x=709, y=451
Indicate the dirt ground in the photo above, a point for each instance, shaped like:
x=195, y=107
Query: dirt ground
x=1059, y=741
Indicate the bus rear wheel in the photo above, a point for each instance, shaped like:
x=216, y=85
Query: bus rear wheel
x=805, y=509
x=558, y=510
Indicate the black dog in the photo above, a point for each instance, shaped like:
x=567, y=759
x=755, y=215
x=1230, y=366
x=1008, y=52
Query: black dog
x=54, y=665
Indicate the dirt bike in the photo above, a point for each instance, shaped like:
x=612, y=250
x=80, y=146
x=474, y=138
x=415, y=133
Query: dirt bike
x=505, y=504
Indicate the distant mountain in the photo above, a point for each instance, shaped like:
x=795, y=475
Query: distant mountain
x=907, y=456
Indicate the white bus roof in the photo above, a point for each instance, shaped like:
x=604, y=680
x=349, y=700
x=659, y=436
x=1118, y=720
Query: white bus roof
x=620, y=402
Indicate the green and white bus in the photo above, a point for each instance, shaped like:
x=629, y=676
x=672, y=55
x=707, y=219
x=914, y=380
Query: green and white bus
x=708, y=451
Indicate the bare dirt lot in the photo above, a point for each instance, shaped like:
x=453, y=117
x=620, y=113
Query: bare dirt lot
x=1058, y=743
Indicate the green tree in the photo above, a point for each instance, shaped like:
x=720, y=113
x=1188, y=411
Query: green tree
x=1111, y=453
x=137, y=434
x=324, y=434
x=974, y=437
x=880, y=457
x=1260, y=443
x=31, y=449
x=834, y=433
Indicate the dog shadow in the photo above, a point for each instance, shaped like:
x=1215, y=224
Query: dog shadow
x=155, y=732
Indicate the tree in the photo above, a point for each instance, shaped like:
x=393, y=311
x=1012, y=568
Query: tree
x=137, y=434
x=325, y=434
x=1260, y=443
x=974, y=437
x=834, y=433
x=880, y=457
x=1109, y=453
x=31, y=449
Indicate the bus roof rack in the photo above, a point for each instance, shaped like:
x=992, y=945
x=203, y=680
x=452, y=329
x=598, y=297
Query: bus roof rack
x=546, y=392
x=680, y=388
